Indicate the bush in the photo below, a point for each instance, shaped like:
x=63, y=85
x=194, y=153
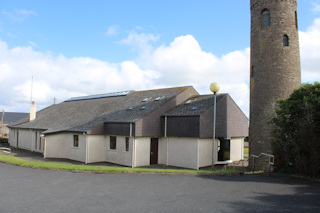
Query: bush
x=296, y=132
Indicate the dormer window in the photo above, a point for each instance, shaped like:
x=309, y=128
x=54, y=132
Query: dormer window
x=265, y=18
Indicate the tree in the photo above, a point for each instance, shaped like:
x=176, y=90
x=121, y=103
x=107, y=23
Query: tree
x=296, y=131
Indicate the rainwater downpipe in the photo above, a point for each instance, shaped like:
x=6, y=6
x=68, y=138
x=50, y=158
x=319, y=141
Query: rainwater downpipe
x=44, y=145
x=87, y=148
x=133, y=146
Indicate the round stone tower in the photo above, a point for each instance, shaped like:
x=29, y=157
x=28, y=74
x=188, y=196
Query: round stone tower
x=275, y=65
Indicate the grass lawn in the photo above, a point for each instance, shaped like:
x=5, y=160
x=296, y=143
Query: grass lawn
x=102, y=169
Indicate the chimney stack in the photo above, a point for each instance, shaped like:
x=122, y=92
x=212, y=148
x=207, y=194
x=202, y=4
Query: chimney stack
x=32, y=111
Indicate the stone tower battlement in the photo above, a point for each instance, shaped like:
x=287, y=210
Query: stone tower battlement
x=274, y=65
x=254, y=3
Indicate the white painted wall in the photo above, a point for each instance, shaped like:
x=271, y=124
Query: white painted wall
x=142, y=151
x=12, y=137
x=162, y=151
x=97, y=146
x=183, y=152
x=205, y=152
x=236, y=149
x=27, y=140
x=120, y=155
x=61, y=146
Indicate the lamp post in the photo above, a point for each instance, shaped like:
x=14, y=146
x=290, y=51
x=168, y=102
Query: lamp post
x=214, y=87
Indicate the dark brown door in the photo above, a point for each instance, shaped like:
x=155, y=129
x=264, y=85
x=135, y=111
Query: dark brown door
x=154, y=151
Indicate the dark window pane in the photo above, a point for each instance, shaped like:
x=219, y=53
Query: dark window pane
x=285, y=40
x=265, y=18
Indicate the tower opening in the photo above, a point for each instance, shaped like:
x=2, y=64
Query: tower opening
x=265, y=18
x=286, y=40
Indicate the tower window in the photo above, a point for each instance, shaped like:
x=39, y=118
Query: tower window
x=265, y=18
x=296, y=17
x=252, y=71
x=285, y=40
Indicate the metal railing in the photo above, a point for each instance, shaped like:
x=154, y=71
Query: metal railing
x=5, y=150
x=271, y=160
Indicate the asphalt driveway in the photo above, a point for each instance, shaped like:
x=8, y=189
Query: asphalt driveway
x=32, y=190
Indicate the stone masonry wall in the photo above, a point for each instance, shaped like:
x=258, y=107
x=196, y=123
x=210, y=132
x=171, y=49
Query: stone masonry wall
x=275, y=68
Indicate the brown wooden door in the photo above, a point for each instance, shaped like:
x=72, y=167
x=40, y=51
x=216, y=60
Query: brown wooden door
x=154, y=151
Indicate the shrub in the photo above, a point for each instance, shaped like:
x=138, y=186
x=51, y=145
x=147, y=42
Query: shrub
x=296, y=132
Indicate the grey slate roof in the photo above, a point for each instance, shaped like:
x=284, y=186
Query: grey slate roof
x=194, y=106
x=11, y=117
x=82, y=115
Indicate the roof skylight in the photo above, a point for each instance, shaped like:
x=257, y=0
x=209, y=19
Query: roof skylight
x=106, y=95
x=194, y=108
x=146, y=99
x=191, y=100
x=159, y=98
x=144, y=107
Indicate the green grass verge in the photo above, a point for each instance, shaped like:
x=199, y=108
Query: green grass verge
x=102, y=169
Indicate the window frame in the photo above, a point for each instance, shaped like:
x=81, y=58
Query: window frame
x=127, y=144
x=285, y=40
x=265, y=24
x=112, y=143
x=76, y=141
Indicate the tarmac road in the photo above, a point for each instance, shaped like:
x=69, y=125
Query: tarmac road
x=32, y=190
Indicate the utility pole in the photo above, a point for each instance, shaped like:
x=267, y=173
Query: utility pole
x=54, y=100
x=2, y=122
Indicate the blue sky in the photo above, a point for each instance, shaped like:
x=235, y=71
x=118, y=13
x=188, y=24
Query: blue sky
x=74, y=48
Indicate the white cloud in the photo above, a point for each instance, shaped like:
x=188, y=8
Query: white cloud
x=61, y=77
x=112, y=30
x=19, y=15
x=316, y=7
x=182, y=62
x=310, y=52
x=140, y=41
x=32, y=43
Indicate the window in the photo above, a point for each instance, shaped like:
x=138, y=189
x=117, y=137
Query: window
x=146, y=99
x=144, y=107
x=194, y=108
x=265, y=18
x=76, y=141
x=131, y=108
x=191, y=100
x=252, y=71
x=113, y=142
x=296, y=17
x=127, y=144
x=285, y=40
x=159, y=98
